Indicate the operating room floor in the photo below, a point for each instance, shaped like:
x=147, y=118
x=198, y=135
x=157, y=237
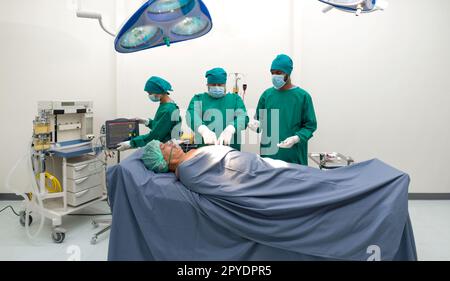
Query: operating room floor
x=430, y=219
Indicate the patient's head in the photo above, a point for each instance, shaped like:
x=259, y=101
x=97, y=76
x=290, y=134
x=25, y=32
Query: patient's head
x=162, y=157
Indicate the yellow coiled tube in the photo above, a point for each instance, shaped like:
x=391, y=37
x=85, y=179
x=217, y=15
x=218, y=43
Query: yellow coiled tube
x=52, y=184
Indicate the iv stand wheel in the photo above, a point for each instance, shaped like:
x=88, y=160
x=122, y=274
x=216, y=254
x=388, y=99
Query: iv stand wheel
x=22, y=218
x=58, y=236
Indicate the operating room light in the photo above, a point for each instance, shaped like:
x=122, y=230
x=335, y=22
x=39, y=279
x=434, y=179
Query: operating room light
x=166, y=6
x=163, y=22
x=139, y=36
x=190, y=26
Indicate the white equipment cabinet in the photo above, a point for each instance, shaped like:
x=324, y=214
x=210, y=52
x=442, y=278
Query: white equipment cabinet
x=84, y=178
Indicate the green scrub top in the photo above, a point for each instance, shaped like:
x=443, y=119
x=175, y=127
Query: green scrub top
x=203, y=105
x=161, y=127
x=296, y=117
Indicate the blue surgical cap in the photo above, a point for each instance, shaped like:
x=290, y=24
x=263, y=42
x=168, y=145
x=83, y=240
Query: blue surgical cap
x=216, y=76
x=157, y=85
x=153, y=158
x=283, y=63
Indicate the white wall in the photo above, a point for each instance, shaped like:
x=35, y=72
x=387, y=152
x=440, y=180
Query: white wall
x=380, y=84
x=46, y=53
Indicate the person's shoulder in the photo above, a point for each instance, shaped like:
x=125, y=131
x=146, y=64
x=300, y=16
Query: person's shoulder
x=171, y=106
x=301, y=92
x=198, y=96
x=268, y=91
x=233, y=96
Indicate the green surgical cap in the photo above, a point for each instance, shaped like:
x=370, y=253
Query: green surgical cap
x=157, y=85
x=153, y=158
x=216, y=76
x=283, y=63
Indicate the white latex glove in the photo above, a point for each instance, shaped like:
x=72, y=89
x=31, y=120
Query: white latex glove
x=143, y=121
x=289, y=142
x=254, y=125
x=124, y=146
x=226, y=136
x=209, y=137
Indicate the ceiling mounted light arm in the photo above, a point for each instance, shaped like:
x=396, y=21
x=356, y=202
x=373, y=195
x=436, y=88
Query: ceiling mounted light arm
x=97, y=16
x=355, y=6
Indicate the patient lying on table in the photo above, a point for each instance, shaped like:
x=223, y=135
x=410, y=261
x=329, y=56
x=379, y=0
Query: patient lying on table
x=170, y=157
x=338, y=214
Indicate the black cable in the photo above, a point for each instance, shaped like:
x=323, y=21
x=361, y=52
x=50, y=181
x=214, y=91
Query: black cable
x=90, y=215
x=9, y=206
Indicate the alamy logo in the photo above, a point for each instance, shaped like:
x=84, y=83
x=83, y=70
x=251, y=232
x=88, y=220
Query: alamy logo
x=375, y=253
x=74, y=253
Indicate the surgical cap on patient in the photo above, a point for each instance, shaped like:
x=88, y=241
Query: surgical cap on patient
x=153, y=158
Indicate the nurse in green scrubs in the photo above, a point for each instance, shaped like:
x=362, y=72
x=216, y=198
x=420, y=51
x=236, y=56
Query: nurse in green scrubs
x=165, y=125
x=217, y=117
x=296, y=119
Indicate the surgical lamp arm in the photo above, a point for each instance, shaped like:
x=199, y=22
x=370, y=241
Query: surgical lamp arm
x=97, y=16
x=358, y=7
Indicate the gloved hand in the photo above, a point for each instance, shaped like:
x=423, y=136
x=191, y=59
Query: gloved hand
x=209, y=137
x=289, y=142
x=226, y=136
x=143, y=121
x=124, y=146
x=254, y=125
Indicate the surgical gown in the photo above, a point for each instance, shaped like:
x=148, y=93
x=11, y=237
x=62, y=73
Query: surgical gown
x=167, y=119
x=296, y=117
x=203, y=110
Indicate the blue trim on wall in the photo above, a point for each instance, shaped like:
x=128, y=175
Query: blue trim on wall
x=429, y=196
x=10, y=197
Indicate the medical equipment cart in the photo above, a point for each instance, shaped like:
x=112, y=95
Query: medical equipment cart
x=66, y=174
x=330, y=160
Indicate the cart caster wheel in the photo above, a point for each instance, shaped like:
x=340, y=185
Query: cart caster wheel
x=58, y=237
x=94, y=224
x=93, y=240
x=22, y=219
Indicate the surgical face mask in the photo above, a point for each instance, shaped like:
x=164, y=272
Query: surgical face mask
x=278, y=81
x=216, y=91
x=174, y=144
x=154, y=98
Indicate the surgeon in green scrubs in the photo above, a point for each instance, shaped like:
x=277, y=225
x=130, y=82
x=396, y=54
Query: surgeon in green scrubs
x=217, y=117
x=287, y=109
x=166, y=124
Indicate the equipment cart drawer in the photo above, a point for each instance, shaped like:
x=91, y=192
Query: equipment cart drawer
x=76, y=199
x=84, y=183
x=83, y=166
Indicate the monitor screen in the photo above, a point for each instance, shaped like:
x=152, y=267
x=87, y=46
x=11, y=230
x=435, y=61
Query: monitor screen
x=120, y=130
